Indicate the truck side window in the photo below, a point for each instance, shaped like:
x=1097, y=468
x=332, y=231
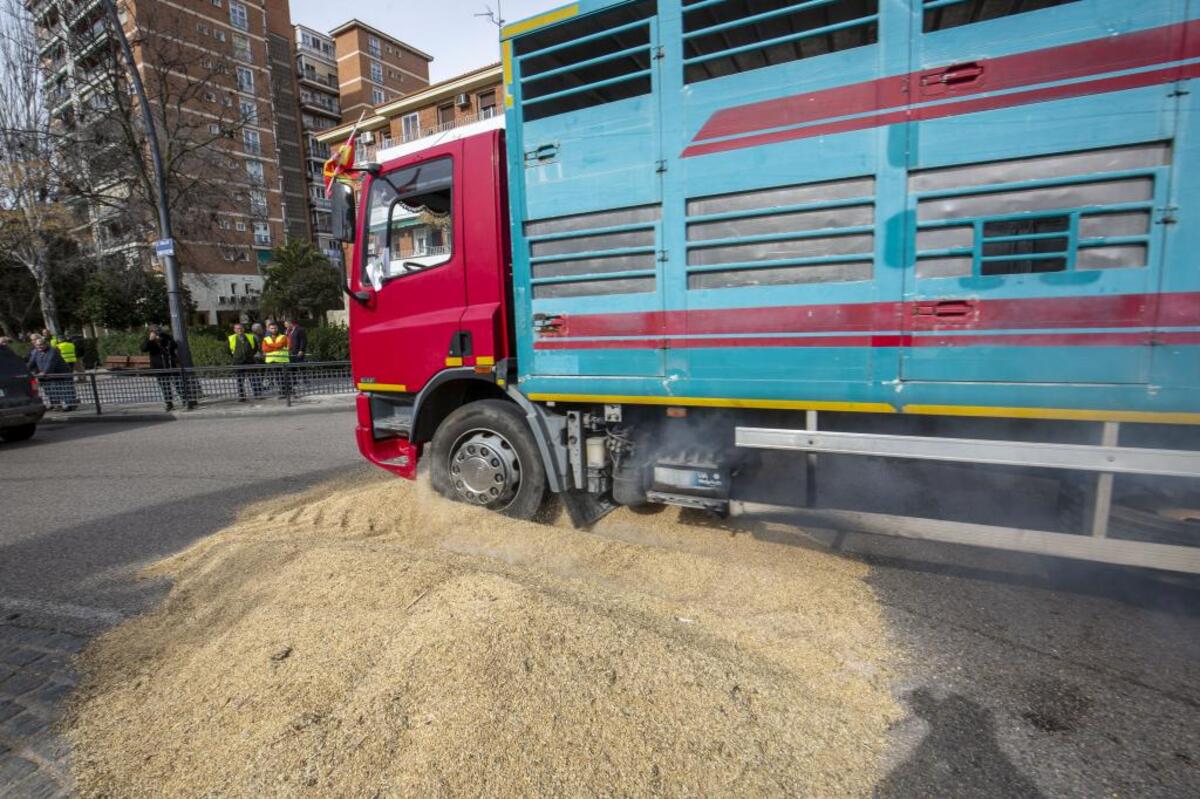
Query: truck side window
x=410, y=216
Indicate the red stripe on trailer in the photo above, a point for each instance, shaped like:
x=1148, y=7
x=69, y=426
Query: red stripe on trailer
x=1177, y=309
x=1084, y=59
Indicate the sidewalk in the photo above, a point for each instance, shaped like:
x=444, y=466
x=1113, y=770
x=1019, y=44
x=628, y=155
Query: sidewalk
x=320, y=403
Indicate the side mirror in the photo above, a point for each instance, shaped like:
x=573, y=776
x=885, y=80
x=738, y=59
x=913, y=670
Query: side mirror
x=344, y=217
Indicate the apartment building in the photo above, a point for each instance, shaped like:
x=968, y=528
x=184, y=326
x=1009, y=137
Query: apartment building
x=227, y=70
x=375, y=68
x=461, y=100
x=320, y=110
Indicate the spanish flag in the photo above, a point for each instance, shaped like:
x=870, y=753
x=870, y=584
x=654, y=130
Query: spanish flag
x=341, y=160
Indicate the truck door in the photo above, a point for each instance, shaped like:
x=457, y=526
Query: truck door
x=411, y=264
x=586, y=197
x=1038, y=169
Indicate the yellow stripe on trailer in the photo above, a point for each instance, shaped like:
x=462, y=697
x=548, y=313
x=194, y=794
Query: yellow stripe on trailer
x=1061, y=414
x=720, y=402
x=533, y=23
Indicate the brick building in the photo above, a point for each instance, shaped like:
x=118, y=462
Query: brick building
x=461, y=100
x=242, y=106
x=375, y=68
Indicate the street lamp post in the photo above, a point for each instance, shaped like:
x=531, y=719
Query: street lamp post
x=170, y=265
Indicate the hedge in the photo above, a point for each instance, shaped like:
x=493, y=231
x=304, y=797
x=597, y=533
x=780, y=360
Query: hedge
x=326, y=343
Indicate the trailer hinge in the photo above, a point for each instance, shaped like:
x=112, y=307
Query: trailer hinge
x=660, y=166
x=1180, y=89
x=659, y=53
x=662, y=256
x=1167, y=215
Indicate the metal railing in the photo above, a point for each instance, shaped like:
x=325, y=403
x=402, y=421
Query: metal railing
x=99, y=389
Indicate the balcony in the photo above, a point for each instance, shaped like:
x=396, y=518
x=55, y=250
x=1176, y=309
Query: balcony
x=309, y=75
x=371, y=151
x=320, y=203
x=305, y=48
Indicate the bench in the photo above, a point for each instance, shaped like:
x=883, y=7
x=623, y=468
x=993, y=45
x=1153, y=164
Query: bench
x=116, y=363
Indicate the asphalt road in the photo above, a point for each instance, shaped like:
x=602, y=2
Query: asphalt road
x=1025, y=676
x=84, y=505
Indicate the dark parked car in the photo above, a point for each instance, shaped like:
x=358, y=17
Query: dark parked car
x=20, y=406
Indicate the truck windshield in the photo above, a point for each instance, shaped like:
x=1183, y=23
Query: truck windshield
x=410, y=221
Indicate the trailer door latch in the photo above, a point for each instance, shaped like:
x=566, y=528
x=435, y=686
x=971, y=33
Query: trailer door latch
x=548, y=323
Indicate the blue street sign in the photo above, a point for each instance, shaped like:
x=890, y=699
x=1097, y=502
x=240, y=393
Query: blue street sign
x=164, y=247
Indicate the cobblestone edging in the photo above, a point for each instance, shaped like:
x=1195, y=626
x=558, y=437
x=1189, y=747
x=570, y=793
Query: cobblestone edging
x=36, y=676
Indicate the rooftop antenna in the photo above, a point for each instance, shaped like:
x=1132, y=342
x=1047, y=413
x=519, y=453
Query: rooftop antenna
x=495, y=17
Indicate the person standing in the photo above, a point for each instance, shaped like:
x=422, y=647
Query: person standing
x=243, y=347
x=297, y=341
x=297, y=346
x=164, y=355
x=275, y=352
x=47, y=363
x=66, y=348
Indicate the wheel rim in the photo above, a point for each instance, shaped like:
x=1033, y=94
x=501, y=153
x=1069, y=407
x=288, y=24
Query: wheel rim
x=485, y=469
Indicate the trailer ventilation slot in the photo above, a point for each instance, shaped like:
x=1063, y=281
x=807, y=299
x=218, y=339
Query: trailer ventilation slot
x=729, y=36
x=595, y=59
x=607, y=252
x=943, y=14
x=813, y=233
x=1074, y=211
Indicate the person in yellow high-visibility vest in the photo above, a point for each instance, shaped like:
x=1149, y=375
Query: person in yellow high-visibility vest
x=67, y=350
x=243, y=350
x=275, y=352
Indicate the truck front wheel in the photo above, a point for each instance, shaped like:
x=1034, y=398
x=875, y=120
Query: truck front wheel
x=484, y=454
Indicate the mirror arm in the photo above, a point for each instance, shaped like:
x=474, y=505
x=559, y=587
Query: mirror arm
x=361, y=297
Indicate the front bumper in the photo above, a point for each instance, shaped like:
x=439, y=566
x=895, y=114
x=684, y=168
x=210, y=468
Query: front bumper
x=397, y=455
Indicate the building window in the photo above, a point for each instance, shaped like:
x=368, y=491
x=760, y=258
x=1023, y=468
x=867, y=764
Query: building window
x=373, y=46
x=487, y=104
x=237, y=16
x=445, y=114
x=217, y=3
x=376, y=72
x=262, y=234
x=377, y=96
x=214, y=128
x=241, y=48
x=258, y=202
x=240, y=225
x=249, y=112
x=220, y=35
x=255, y=170
x=245, y=79
x=411, y=126
x=251, y=141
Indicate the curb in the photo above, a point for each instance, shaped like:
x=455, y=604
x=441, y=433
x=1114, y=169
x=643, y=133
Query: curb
x=86, y=417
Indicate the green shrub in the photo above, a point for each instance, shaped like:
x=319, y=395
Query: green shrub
x=329, y=343
x=208, y=351
x=119, y=343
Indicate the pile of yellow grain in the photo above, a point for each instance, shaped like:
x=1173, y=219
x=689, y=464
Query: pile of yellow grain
x=370, y=639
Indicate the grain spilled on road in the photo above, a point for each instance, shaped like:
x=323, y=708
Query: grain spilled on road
x=370, y=639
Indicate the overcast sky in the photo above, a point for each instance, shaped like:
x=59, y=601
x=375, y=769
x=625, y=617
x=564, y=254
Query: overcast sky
x=446, y=29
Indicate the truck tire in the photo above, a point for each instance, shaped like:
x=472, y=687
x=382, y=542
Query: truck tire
x=22, y=432
x=484, y=454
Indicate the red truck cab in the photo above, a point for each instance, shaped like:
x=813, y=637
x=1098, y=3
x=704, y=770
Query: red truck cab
x=430, y=280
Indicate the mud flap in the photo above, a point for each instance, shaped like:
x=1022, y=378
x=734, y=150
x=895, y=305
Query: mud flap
x=586, y=509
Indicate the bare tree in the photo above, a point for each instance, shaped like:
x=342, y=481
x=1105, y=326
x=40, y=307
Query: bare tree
x=30, y=214
x=200, y=123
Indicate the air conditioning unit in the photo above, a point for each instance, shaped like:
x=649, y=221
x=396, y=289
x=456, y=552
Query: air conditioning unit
x=366, y=138
x=463, y=99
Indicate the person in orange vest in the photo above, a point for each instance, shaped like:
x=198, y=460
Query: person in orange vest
x=275, y=353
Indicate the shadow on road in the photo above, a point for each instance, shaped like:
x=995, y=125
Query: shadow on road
x=95, y=564
x=959, y=756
